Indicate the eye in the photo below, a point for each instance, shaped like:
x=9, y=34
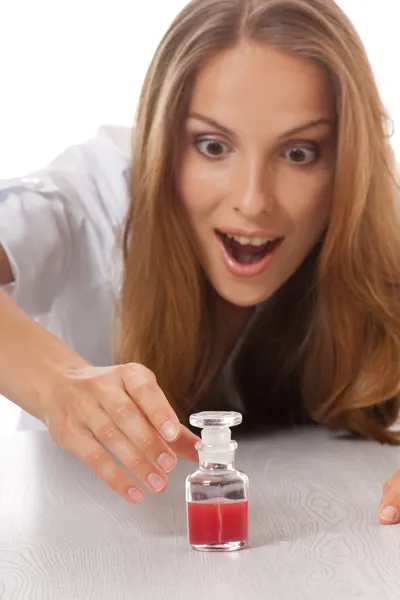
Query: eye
x=301, y=155
x=211, y=148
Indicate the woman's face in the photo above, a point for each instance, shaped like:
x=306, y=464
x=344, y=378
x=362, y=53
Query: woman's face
x=256, y=173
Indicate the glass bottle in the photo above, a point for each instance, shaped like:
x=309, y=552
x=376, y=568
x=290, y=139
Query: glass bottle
x=217, y=493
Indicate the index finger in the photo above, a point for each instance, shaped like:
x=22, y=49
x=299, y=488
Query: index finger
x=184, y=446
x=141, y=385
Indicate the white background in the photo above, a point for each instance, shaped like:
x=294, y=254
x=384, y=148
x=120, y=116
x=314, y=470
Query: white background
x=67, y=66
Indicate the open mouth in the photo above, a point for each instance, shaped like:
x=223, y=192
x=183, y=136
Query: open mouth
x=246, y=251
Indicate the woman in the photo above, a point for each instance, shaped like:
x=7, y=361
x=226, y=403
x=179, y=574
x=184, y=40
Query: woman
x=260, y=250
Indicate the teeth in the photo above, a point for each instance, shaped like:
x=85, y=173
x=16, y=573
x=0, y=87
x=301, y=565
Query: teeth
x=245, y=241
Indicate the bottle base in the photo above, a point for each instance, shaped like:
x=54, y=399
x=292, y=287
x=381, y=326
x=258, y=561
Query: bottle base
x=220, y=547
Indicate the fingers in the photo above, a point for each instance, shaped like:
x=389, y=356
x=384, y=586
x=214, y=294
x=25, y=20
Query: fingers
x=184, y=446
x=144, y=454
x=111, y=415
x=82, y=444
x=389, y=510
x=142, y=387
x=129, y=418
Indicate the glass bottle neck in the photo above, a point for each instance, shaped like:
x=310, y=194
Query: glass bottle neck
x=215, y=462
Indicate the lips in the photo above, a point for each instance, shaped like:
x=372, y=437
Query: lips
x=247, y=254
x=259, y=233
x=246, y=250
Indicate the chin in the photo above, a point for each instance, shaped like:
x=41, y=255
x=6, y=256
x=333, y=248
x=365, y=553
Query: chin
x=244, y=296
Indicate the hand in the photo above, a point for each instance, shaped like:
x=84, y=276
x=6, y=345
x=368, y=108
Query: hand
x=389, y=510
x=123, y=408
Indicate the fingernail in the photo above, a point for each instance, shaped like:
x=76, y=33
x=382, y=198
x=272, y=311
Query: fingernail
x=389, y=514
x=166, y=462
x=135, y=495
x=170, y=430
x=156, y=482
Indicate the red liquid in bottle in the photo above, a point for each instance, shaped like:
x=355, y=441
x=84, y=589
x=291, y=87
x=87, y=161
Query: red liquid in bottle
x=217, y=522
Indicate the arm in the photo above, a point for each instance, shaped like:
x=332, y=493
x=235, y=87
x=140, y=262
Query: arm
x=20, y=335
x=83, y=405
x=120, y=406
x=44, y=356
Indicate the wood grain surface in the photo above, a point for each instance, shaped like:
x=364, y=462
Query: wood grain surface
x=313, y=530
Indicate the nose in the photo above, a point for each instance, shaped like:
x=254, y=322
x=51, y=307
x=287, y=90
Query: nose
x=255, y=190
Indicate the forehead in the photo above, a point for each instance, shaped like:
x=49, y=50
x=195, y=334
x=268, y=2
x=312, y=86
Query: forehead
x=253, y=83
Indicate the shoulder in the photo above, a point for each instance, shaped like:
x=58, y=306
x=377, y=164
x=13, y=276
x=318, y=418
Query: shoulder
x=90, y=178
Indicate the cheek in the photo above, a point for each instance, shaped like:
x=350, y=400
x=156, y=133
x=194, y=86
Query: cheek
x=306, y=199
x=202, y=186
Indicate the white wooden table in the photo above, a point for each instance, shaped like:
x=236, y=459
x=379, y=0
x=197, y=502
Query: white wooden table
x=65, y=536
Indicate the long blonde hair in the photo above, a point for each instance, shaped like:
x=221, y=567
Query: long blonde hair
x=342, y=351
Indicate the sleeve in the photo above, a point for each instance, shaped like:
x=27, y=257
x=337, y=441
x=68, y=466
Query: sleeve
x=37, y=229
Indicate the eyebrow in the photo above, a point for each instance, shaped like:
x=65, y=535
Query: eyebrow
x=290, y=132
